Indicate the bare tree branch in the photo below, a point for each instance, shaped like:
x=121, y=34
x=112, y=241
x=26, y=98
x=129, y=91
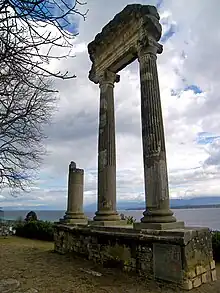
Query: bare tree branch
x=26, y=38
x=24, y=112
x=30, y=33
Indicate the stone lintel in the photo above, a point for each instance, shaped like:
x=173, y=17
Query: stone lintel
x=131, y=11
x=115, y=46
x=159, y=226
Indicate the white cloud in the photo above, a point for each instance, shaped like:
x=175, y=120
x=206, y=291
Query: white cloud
x=190, y=57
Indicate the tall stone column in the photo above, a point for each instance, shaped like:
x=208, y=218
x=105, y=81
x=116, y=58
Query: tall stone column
x=106, y=152
x=157, y=213
x=74, y=213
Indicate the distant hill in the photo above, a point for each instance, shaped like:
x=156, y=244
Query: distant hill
x=121, y=205
x=195, y=202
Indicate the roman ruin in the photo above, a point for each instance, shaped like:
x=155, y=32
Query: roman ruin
x=132, y=34
x=159, y=246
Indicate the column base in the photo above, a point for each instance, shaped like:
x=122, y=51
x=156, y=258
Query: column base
x=159, y=226
x=107, y=216
x=74, y=215
x=74, y=218
x=108, y=223
x=158, y=216
x=70, y=221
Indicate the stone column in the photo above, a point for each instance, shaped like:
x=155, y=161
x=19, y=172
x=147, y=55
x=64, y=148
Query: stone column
x=158, y=213
x=106, y=152
x=74, y=213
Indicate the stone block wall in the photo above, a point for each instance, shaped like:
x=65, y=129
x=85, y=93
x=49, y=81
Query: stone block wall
x=183, y=257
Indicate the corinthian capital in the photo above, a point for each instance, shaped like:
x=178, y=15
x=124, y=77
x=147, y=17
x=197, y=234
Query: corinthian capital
x=108, y=77
x=148, y=45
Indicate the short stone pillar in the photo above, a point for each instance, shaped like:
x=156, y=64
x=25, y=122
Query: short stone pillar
x=74, y=213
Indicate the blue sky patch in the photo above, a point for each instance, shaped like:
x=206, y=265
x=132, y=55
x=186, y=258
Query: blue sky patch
x=204, y=138
x=168, y=34
x=52, y=9
x=158, y=4
x=193, y=88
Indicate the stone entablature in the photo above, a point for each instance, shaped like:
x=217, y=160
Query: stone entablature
x=117, y=44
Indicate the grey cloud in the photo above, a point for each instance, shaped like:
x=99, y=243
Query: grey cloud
x=73, y=133
x=73, y=127
x=214, y=154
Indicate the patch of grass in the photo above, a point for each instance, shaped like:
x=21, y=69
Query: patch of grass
x=32, y=263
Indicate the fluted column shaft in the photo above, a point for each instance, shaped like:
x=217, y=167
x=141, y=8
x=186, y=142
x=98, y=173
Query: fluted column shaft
x=154, y=151
x=106, y=151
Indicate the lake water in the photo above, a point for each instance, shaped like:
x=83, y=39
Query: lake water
x=207, y=217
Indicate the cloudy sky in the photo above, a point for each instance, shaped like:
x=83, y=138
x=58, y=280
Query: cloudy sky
x=189, y=82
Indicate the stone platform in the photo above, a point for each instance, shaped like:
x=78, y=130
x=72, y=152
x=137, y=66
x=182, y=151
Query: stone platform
x=180, y=256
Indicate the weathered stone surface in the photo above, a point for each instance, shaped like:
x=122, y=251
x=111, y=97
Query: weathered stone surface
x=8, y=285
x=214, y=276
x=76, y=221
x=118, y=38
x=191, y=274
x=209, y=276
x=116, y=223
x=159, y=241
x=167, y=256
x=187, y=285
x=74, y=213
x=158, y=226
x=204, y=278
x=106, y=152
x=144, y=252
x=198, y=250
x=200, y=270
x=154, y=151
x=212, y=265
x=139, y=25
x=197, y=282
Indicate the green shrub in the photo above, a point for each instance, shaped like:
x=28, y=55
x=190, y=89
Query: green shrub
x=130, y=220
x=41, y=230
x=216, y=245
x=31, y=216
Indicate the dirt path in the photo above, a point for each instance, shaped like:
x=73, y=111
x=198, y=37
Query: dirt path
x=34, y=264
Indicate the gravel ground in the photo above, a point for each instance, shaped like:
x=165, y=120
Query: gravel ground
x=34, y=264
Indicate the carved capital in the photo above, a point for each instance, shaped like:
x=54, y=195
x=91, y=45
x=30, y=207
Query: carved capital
x=108, y=77
x=148, y=46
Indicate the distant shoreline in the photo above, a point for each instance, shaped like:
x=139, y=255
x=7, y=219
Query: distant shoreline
x=213, y=206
